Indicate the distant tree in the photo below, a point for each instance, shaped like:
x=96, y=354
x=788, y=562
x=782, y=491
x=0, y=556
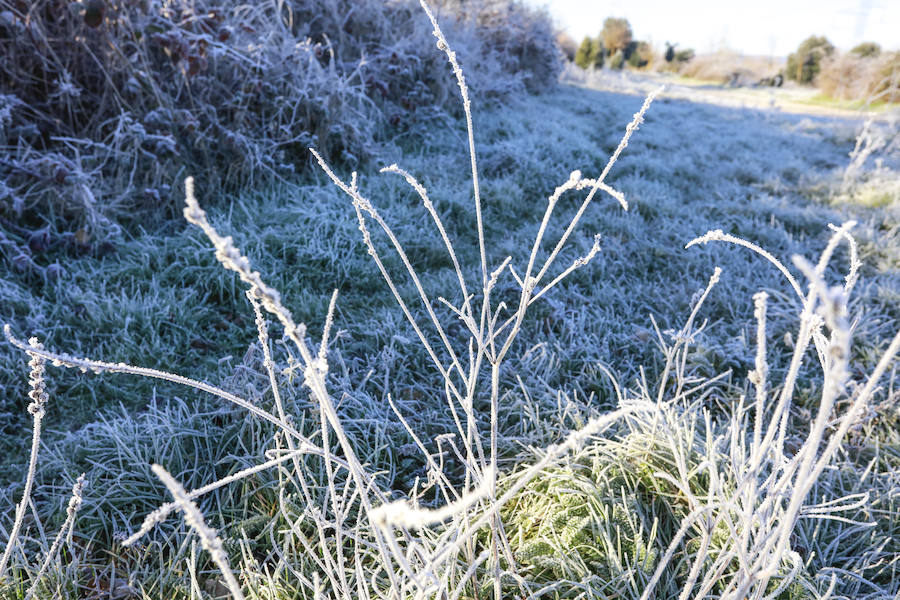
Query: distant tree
x=617, y=60
x=616, y=35
x=568, y=46
x=583, y=54
x=804, y=64
x=670, y=52
x=589, y=54
x=638, y=54
x=684, y=56
x=866, y=50
x=597, y=55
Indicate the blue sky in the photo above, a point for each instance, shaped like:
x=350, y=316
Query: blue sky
x=766, y=27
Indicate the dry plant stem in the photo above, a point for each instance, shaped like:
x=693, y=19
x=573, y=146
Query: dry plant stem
x=326, y=329
x=37, y=408
x=67, y=526
x=208, y=537
x=809, y=325
x=718, y=235
x=810, y=472
x=629, y=130
x=855, y=263
x=486, y=307
x=467, y=109
x=61, y=359
x=466, y=309
x=438, y=473
x=682, y=337
x=760, y=374
x=360, y=204
x=575, y=181
x=160, y=514
x=528, y=285
x=26, y=494
x=314, y=369
x=268, y=363
x=263, y=336
x=333, y=495
x=803, y=470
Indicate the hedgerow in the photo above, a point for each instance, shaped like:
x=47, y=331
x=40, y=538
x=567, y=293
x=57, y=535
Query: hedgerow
x=105, y=104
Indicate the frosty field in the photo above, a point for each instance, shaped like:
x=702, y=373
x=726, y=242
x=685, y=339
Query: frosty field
x=670, y=490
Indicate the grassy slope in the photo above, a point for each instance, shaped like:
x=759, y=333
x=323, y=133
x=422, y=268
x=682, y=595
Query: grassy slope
x=161, y=300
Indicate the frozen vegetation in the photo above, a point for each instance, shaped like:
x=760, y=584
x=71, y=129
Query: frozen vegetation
x=567, y=369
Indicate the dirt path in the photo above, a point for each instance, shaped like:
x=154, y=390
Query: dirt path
x=786, y=100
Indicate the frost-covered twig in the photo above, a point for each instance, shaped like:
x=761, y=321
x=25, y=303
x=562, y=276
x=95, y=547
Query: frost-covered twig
x=97, y=366
x=37, y=408
x=64, y=531
x=209, y=539
x=159, y=515
x=401, y=514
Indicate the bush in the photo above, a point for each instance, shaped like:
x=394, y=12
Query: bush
x=639, y=54
x=886, y=85
x=685, y=56
x=617, y=60
x=874, y=78
x=585, y=50
x=726, y=67
x=104, y=104
x=521, y=40
x=846, y=76
x=866, y=50
x=804, y=64
x=598, y=54
x=568, y=45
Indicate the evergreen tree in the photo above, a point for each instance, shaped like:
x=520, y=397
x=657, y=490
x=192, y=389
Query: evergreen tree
x=597, y=54
x=638, y=55
x=670, y=52
x=804, y=64
x=584, y=54
x=617, y=60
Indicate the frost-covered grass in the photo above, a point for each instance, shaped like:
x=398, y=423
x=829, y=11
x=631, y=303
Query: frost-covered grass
x=669, y=476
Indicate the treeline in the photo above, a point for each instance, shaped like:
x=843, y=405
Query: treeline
x=866, y=73
x=615, y=47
